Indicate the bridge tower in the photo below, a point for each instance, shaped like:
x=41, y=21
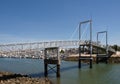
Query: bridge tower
x=52, y=58
x=88, y=44
x=102, y=57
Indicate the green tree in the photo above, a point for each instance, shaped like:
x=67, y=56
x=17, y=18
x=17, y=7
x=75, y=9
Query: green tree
x=116, y=47
x=62, y=51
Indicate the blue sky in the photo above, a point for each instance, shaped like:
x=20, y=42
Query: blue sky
x=41, y=20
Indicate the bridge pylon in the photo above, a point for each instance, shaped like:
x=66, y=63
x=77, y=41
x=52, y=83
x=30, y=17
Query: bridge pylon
x=87, y=44
x=102, y=57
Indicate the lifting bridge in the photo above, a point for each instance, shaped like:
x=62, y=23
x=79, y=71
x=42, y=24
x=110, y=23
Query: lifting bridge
x=26, y=49
x=44, y=49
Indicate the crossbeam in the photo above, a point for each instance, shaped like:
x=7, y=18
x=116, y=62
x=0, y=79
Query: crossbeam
x=85, y=22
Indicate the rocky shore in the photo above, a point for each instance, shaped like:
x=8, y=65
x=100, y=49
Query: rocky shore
x=10, y=78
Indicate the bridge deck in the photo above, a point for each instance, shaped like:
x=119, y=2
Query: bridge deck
x=23, y=49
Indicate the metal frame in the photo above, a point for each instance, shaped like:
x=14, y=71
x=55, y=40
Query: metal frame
x=90, y=42
x=98, y=33
x=98, y=55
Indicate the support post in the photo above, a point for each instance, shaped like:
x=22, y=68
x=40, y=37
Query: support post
x=45, y=69
x=106, y=49
x=79, y=63
x=90, y=45
x=90, y=62
x=58, y=70
x=106, y=61
x=97, y=60
x=52, y=58
x=83, y=49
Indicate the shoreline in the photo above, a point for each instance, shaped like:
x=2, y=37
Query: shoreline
x=112, y=59
x=12, y=78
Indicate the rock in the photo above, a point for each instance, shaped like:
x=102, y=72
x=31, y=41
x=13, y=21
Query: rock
x=10, y=78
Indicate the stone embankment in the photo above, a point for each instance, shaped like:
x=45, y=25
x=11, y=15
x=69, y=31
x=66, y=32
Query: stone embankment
x=10, y=78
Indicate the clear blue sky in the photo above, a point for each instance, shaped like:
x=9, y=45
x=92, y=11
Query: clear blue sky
x=39, y=20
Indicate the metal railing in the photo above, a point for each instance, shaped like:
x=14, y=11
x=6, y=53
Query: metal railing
x=36, y=49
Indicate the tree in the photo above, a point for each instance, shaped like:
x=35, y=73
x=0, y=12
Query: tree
x=62, y=51
x=116, y=47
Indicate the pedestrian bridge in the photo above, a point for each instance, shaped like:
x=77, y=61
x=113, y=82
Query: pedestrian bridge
x=36, y=48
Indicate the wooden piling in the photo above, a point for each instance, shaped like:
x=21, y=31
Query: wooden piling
x=58, y=70
x=90, y=62
x=97, y=60
x=46, y=69
x=79, y=65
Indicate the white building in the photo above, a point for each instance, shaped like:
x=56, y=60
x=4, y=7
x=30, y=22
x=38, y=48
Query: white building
x=118, y=53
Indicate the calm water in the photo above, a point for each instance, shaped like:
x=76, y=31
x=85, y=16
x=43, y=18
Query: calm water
x=70, y=74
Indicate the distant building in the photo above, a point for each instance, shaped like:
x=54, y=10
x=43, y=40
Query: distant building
x=118, y=53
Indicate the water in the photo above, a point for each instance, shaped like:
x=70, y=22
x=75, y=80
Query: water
x=70, y=74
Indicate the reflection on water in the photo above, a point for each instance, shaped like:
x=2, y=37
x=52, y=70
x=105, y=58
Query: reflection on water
x=70, y=74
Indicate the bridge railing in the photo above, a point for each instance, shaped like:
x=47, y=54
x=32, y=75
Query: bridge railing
x=37, y=47
x=103, y=46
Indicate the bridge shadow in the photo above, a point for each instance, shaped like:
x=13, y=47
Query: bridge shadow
x=36, y=75
x=63, y=69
